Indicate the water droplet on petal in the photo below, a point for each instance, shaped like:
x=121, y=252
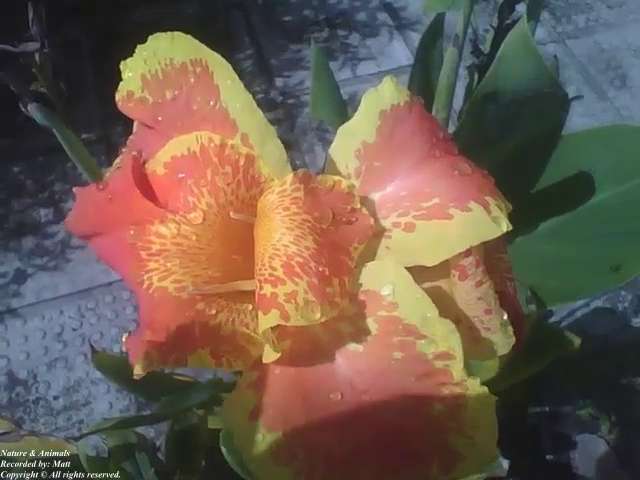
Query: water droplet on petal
x=182, y=175
x=101, y=186
x=463, y=169
x=387, y=290
x=196, y=217
x=159, y=118
x=335, y=396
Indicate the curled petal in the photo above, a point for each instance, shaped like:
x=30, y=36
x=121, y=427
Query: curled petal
x=309, y=233
x=432, y=201
x=122, y=199
x=464, y=292
x=188, y=254
x=174, y=85
x=394, y=404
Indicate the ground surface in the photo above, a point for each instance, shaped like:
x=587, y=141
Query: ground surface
x=56, y=299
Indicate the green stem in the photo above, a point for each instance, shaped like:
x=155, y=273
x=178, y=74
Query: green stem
x=449, y=73
x=69, y=141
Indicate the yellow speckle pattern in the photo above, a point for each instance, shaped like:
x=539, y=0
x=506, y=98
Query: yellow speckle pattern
x=174, y=84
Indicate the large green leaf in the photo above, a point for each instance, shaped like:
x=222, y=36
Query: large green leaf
x=152, y=387
x=594, y=247
x=515, y=117
x=425, y=71
x=327, y=103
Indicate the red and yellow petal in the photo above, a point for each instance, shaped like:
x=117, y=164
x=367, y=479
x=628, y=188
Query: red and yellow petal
x=174, y=85
x=205, y=331
x=432, y=201
x=122, y=199
x=501, y=274
x=464, y=292
x=396, y=404
x=185, y=247
x=309, y=233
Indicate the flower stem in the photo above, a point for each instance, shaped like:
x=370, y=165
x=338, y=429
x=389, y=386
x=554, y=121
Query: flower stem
x=449, y=73
x=68, y=139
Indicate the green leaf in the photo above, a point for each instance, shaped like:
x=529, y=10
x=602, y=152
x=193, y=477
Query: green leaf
x=439, y=6
x=71, y=143
x=186, y=445
x=552, y=201
x=595, y=247
x=515, y=117
x=132, y=454
x=198, y=395
x=232, y=456
x=152, y=387
x=327, y=103
x=543, y=344
x=425, y=71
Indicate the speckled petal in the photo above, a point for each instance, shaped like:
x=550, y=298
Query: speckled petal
x=309, y=233
x=465, y=293
x=180, y=232
x=432, y=201
x=174, y=85
x=205, y=331
x=501, y=274
x=394, y=405
x=122, y=199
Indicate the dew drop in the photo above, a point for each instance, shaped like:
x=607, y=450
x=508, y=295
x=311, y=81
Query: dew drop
x=335, y=396
x=181, y=175
x=196, y=217
x=387, y=290
x=159, y=118
x=101, y=186
x=463, y=169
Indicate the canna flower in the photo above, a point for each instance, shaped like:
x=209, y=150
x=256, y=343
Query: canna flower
x=351, y=299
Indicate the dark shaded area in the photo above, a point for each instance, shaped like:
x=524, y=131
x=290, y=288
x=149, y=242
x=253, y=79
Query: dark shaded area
x=552, y=201
x=595, y=391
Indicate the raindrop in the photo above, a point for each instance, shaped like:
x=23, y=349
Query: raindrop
x=335, y=396
x=196, y=217
x=387, y=290
x=463, y=169
x=182, y=175
x=159, y=118
x=101, y=186
x=350, y=220
x=23, y=356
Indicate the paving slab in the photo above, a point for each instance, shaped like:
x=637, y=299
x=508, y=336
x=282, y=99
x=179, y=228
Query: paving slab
x=583, y=18
x=612, y=58
x=47, y=381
